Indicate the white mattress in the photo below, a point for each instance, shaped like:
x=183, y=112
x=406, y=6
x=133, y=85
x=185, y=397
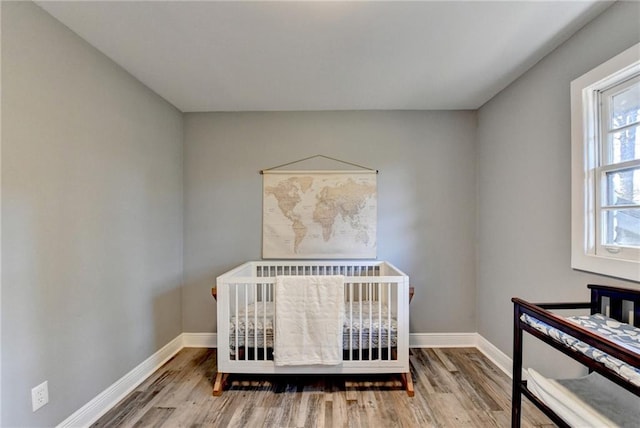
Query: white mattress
x=590, y=401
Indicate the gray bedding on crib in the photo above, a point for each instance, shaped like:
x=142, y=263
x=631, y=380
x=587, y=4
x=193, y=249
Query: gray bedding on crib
x=364, y=326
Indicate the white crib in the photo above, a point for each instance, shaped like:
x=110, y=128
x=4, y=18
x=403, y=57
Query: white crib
x=376, y=326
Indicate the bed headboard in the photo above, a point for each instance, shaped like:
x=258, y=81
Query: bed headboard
x=622, y=302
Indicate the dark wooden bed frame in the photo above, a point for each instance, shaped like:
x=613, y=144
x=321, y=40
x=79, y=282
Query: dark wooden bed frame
x=541, y=311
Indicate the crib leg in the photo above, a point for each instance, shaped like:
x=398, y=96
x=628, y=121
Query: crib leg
x=218, y=386
x=407, y=380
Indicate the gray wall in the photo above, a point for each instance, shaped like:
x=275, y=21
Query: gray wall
x=93, y=210
x=426, y=199
x=91, y=219
x=524, y=181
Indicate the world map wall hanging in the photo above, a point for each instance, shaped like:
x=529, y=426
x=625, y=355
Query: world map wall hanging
x=319, y=214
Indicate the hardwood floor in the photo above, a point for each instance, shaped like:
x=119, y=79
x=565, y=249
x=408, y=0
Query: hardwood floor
x=456, y=387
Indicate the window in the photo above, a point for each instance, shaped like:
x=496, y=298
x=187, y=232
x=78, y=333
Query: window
x=605, y=109
x=619, y=171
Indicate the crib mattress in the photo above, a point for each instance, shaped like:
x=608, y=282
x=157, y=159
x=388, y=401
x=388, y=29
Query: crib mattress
x=364, y=327
x=623, y=334
x=589, y=401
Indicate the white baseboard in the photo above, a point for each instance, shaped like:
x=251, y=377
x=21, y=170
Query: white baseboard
x=416, y=340
x=442, y=340
x=200, y=340
x=103, y=402
x=463, y=340
x=496, y=356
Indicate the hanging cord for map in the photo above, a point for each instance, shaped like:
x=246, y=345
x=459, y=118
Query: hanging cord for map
x=317, y=156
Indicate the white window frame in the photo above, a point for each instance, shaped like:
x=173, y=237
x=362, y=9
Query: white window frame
x=586, y=171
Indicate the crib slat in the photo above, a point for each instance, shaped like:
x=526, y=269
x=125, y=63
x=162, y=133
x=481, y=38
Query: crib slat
x=370, y=318
x=235, y=293
x=360, y=320
x=246, y=323
x=351, y=321
x=388, y=321
x=264, y=321
x=378, y=294
x=255, y=321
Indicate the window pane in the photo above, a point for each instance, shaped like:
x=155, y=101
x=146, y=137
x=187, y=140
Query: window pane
x=622, y=227
x=624, y=145
x=623, y=187
x=626, y=107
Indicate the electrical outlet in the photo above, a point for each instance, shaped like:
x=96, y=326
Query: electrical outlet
x=39, y=395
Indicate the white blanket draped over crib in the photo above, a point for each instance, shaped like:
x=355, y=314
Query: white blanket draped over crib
x=309, y=311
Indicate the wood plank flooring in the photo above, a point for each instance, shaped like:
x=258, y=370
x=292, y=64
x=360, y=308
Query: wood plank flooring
x=457, y=387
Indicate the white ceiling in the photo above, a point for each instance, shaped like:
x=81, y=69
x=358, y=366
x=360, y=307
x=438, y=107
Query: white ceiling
x=248, y=56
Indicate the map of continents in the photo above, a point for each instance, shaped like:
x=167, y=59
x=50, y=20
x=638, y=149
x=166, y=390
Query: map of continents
x=319, y=215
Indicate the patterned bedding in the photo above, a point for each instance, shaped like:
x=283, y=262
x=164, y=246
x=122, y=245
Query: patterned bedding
x=372, y=328
x=622, y=334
